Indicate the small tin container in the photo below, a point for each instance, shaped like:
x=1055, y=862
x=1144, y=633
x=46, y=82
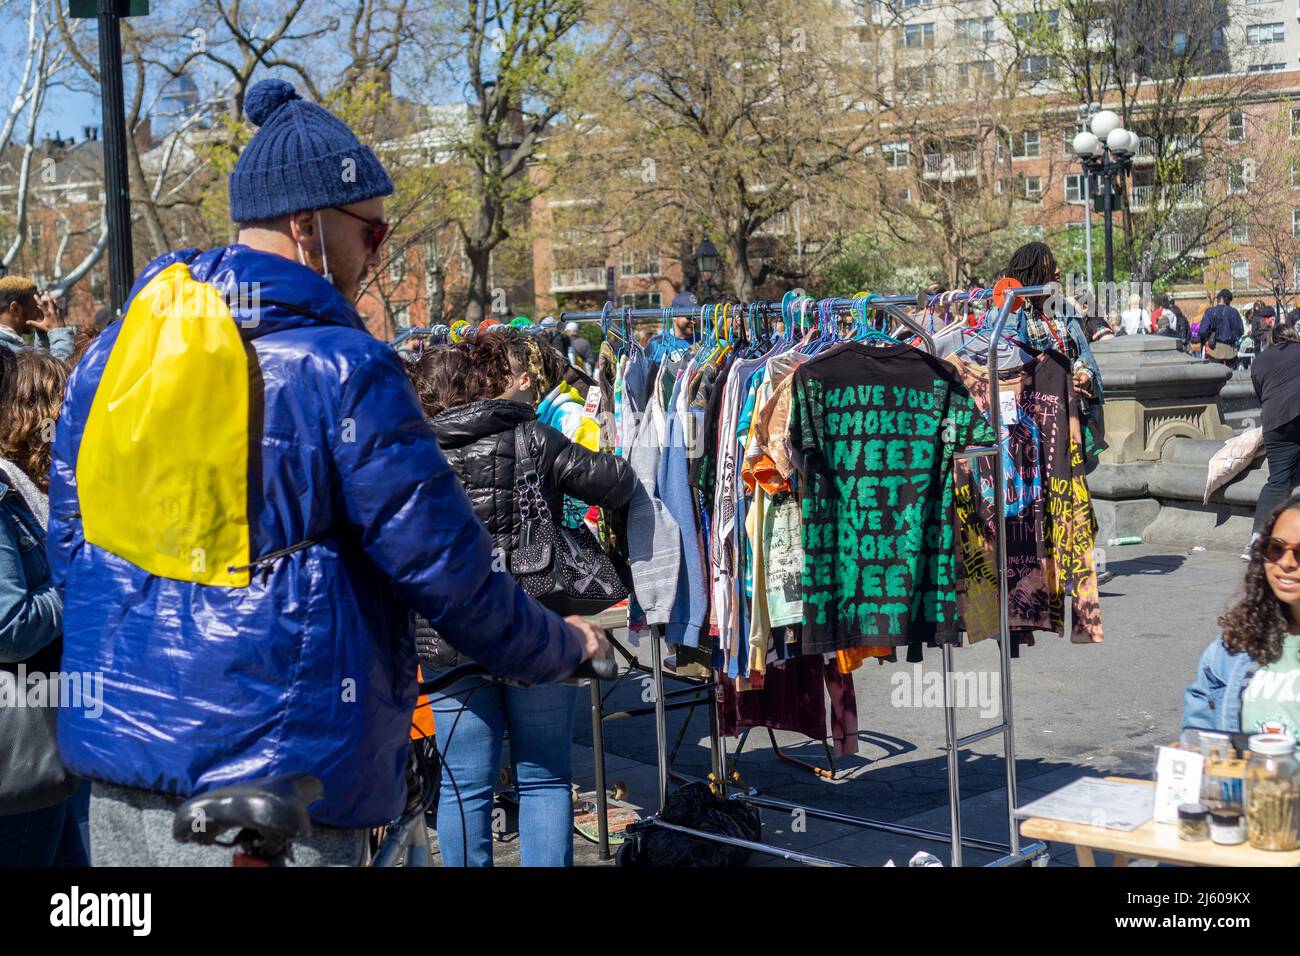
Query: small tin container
x=1227, y=825
x=1193, y=822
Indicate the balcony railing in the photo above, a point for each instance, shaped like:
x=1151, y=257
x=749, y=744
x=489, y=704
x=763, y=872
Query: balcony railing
x=1173, y=194
x=1176, y=146
x=951, y=165
x=578, y=280
x=1176, y=244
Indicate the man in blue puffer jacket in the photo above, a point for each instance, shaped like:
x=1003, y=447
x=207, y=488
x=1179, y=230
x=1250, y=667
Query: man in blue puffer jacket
x=352, y=516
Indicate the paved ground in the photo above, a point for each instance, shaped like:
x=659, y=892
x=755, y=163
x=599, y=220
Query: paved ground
x=1079, y=710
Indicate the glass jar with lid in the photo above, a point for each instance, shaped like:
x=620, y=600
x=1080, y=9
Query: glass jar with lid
x=1273, y=793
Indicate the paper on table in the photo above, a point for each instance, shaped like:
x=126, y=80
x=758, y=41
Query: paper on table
x=1178, y=781
x=1111, y=804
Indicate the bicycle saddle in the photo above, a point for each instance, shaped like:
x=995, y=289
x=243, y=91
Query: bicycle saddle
x=273, y=807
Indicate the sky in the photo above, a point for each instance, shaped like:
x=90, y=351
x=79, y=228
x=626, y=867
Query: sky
x=67, y=111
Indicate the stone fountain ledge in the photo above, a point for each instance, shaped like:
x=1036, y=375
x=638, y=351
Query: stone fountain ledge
x=1164, y=420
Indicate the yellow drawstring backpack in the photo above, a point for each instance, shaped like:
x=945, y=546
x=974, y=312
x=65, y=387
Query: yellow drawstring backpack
x=162, y=472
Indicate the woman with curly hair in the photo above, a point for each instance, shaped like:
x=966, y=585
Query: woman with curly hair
x=441, y=377
x=40, y=825
x=27, y=418
x=1248, y=680
x=509, y=372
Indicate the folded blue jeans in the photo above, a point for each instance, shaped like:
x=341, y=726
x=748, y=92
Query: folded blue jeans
x=471, y=718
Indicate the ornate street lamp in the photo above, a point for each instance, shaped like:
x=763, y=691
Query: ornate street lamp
x=707, y=259
x=1106, y=149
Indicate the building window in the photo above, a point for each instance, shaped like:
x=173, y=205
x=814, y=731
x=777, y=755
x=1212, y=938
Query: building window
x=1025, y=145
x=1265, y=33
x=397, y=267
x=1074, y=187
x=917, y=36
x=975, y=29
x=1240, y=274
x=976, y=72
x=1240, y=231
x=635, y=262
x=905, y=194
x=1036, y=68
x=642, y=300
x=1295, y=122
x=1295, y=222
x=1237, y=178
x=916, y=79
x=1178, y=44
x=1295, y=273
x=896, y=154
x=1236, y=127
x=1295, y=174
x=1266, y=68
x=1037, y=20
x=1033, y=187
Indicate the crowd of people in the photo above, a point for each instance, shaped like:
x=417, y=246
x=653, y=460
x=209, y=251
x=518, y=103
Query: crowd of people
x=241, y=519
x=255, y=533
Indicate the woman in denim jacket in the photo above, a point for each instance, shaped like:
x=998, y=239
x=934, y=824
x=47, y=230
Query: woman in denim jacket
x=1261, y=633
x=31, y=619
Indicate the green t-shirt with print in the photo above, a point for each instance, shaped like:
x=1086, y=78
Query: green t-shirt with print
x=875, y=429
x=1271, y=701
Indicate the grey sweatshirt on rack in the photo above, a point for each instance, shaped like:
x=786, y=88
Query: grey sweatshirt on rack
x=654, y=540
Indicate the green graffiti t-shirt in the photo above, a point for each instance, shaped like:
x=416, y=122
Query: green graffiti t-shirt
x=875, y=428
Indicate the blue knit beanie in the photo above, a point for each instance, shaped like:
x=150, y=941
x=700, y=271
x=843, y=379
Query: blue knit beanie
x=302, y=158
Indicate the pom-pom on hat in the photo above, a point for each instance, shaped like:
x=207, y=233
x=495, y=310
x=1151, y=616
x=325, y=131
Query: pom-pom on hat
x=302, y=158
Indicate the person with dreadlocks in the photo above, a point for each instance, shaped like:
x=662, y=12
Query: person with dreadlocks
x=1053, y=323
x=1057, y=328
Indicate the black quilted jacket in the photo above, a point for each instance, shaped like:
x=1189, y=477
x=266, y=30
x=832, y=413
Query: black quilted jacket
x=479, y=442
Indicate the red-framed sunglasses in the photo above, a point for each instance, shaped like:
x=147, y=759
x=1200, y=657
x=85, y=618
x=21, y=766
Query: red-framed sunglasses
x=378, y=228
x=1274, y=548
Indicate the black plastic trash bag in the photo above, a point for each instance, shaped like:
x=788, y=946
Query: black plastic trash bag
x=694, y=806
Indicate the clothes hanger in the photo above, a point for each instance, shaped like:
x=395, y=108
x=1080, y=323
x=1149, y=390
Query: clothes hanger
x=787, y=315
x=871, y=333
x=809, y=333
x=984, y=331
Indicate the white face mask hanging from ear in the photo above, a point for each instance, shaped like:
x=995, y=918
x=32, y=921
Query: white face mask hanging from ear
x=320, y=231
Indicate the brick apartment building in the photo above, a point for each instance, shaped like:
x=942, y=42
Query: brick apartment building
x=954, y=51
x=950, y=46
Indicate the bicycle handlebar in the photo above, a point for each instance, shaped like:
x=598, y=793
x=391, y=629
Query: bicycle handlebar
x=598, y=668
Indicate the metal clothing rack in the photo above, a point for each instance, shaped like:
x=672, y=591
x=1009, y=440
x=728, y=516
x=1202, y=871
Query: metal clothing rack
x=1006, y=298
x=698, y=692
